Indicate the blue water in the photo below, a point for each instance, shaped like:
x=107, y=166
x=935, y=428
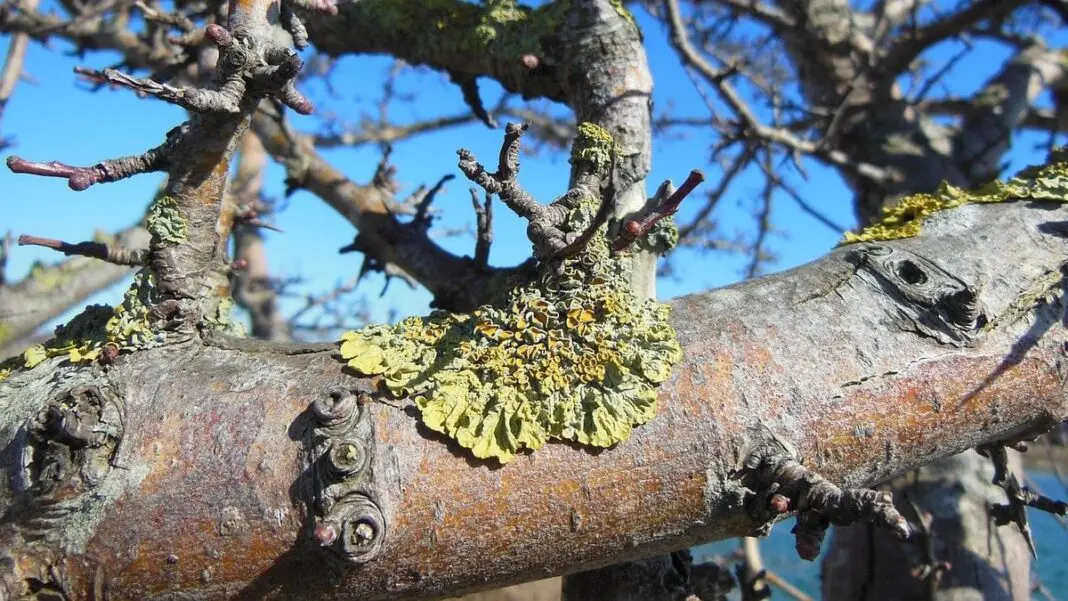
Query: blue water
x=1051, y=541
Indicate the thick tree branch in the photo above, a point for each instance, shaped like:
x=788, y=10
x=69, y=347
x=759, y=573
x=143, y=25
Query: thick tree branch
x=1002, y=104
x=914, y=41
x=851, y=403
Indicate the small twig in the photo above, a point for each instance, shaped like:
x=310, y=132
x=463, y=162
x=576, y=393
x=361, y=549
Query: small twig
x=469, y=88
x=931, y=571
x=714, y=196
x=422, y=210
x=80, y=178
x=763, y=219
x=1019, y=497
x=784, y=585
x=750, y=573
x=12, y=70
x=194, y=99
x=172, y=19
x=636, y=228
x=484, y=225
x=96, y=250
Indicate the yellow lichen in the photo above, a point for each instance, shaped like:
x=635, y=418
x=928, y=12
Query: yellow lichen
x=573, y=355
x=165, y=221
x=904, y=219
x=593, y=145
x=82, y=339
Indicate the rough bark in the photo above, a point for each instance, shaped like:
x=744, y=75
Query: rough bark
x=212, y=493
x=881, y=127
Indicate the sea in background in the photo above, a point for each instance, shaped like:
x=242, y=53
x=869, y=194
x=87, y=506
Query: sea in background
x=1051, y=542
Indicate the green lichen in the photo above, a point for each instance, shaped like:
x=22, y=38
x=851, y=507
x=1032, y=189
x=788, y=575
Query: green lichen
x=5, y=332
x=623, y=12
x=663, y=237
x=594, y=145
x=222, y=319
x=904, y=219
x=127, y=327
x=502, y=28
x=165, y=221
x=573, y=355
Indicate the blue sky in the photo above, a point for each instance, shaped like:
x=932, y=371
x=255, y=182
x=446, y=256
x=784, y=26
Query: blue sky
x=57, y=118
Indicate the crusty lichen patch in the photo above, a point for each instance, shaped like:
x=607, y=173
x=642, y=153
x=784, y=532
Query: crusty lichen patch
x=165, y=221
x=83, y=338
x=904, y=219
x=574, y=355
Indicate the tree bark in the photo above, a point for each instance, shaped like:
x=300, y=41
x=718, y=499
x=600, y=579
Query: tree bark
x=208, y=485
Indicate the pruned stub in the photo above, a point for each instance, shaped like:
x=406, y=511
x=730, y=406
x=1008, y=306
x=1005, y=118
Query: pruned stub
x=70, y=444
x=926, y=298
x=348, y=519
x=66, y=451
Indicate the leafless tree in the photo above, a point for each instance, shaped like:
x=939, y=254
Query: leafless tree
x=227, y=433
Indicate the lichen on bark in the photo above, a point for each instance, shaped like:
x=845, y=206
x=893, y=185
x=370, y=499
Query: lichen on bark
x=128, y=326
x=573, y=355
x=905, y=218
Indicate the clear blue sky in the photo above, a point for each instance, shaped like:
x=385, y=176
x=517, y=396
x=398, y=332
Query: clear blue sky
x=56, y=118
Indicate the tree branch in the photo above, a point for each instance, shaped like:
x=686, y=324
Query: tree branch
x=455, y=282
x=48, y=291
x=912, y=42
x=438, y=522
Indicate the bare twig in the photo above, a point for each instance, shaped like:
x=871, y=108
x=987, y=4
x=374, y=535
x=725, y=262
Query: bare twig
x=484, y=225
x=752, y=126
x=5, y=249
x=636, y=228
x=96, y=250
x=12, y=69
x=1019, y=497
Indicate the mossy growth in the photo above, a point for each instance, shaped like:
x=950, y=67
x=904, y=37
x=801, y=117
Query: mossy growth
x=573, y=355
x=904, y=219
x=82, y=339
x=165, y=221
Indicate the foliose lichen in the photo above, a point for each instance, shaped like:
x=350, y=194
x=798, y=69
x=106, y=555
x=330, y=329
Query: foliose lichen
x=222, y=319
x=573, y=355
x=165, y=221
x=82, y=339
x=594, y=145
x=904, y=220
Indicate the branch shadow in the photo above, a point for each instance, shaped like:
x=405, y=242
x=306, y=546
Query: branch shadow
x=1048, y=316
x=305, y=571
